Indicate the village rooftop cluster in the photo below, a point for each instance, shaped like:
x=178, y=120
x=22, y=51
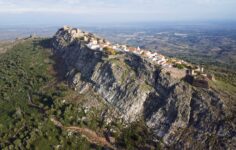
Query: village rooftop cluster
x=170, y=64
x=95, y=43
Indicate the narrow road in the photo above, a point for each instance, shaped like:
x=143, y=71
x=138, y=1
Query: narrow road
x=90, y=135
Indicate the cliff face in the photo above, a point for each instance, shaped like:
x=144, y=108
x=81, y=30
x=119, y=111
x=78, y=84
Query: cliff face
x=182, y=115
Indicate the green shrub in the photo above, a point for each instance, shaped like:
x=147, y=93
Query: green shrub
x=110, y=51
x=179, y=66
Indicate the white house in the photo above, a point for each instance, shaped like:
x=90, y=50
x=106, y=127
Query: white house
x=93, y=46
x=124, y=47
x=150, y=54
x=93, y=41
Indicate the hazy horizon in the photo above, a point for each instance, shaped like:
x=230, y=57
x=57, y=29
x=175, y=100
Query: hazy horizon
x=99, y=12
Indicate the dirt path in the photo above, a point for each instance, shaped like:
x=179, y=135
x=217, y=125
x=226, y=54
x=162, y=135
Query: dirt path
x=90, y=135
x=3, y=50
x=6, y=45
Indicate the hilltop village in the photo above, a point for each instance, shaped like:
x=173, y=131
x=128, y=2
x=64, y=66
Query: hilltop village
x=194, y=74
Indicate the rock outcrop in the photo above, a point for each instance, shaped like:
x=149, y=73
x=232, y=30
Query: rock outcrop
x=182, y=115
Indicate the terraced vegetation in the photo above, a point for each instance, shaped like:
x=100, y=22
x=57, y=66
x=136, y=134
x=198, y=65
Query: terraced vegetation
x=31, y=94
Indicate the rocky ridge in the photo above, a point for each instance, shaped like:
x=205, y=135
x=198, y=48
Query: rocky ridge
x=182, y=115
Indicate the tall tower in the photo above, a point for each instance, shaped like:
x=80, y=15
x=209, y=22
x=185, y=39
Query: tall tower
x=201, y=69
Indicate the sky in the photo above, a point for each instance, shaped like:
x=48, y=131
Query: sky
x=58, y=12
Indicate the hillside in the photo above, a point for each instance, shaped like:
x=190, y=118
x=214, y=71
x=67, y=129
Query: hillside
x=59, y=93
x=169, y=106
x=33, y=94
x=213, y=47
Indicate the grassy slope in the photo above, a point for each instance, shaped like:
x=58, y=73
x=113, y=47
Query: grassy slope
x=20, y=73
x=27, y=71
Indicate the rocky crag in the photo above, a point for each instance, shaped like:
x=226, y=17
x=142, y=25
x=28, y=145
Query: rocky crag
x=181, y=115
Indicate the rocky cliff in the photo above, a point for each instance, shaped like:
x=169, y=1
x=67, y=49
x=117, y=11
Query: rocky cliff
x=182, y=115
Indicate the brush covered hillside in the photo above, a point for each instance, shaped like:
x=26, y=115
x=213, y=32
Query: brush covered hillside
x=59, y=93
